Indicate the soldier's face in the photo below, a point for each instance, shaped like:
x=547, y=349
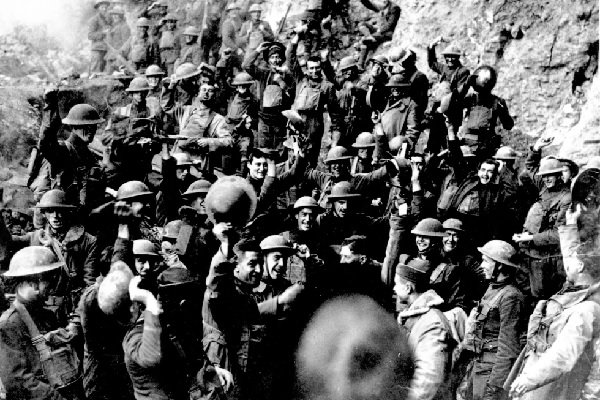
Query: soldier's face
x=144, y=265
x=249, y=268
x=257, y=167
x=486, y=173
x=347, y=74
x=566, y=174
x=488, y=266
x=276, y=264
x=242, y=89
x=171, y=25
x=340, y=208
x=57, y=218
x=450, y=241
x=153, y=81
x=103, y=8
x=182, y=173
x=189, y=39
x=207, y=93
x=255, y=16
x=198, y=204
x=313, y=69
x=339, y=169
x=142, y=31
x=116, y=18
x=306, y=219
x=451, y=62
x=363, y=154
x=86, y=132
x=402, y=290
x=376, y=69
x=423, y=243
x=550, y=180
x=138, y=97
x=275, y=60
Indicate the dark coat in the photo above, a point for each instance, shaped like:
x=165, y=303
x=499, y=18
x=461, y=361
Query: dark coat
x=456, y=77
x=400, y=118
x=98, y=24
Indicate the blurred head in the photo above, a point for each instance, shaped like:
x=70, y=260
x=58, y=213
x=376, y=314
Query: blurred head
x=452, y=61
x=138, y=97
x=257, y=166
x=35, y=289
x=398, y=92
x=207, y=93
x=85, y=132
x=190, y=39
x=275, y=59
x=352, y=349
x=198, y=204
x=365, y=153
x=102, y=8
x=487, y=171
x=418, y=160
x=354, y=250
x=145, y=264
x=153, y=81
x=550, y=180
x=171, y=25
x=340, y=169
x=182, y=172
x=249, y=267
x=255, y=16
x=234, y=13
x=113, y=293
x=142, y=31
x=116, y=18
x=313, y=68
x=242, y=89
x=427, y=243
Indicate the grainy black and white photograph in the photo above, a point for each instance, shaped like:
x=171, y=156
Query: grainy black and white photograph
x=299, y=200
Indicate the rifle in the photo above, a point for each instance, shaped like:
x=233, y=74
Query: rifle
x=282, y=22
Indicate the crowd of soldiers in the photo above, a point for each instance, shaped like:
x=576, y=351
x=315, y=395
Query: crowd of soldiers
x=192, y=260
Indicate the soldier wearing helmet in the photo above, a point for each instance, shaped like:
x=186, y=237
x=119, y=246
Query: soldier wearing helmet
x=169, y=44
x=117, y=36
x=73, y=164
x=363, y=161
x=141, y=49
x=381, y=31
x=495, y=325
x=191, y=52
x=274, y=89
x=403, y=61
x=34, y=271
x=154, y=75
x=378, y=77
x=254, y=31
x=539, y=238
x=482, y=110
x=452, y=71
x=100, y=26
x=70, y=243
x=230, y=30
x=352, y=100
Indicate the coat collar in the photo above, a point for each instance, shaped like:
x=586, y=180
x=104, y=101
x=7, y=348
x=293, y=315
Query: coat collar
x=428, y=300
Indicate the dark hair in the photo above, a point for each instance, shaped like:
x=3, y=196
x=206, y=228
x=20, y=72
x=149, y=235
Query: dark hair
x=256, y=153
x=244, y=246
x=314, y=59
x=358, y=244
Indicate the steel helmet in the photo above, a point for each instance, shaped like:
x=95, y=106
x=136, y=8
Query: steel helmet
x=429, y=227
x=364, y=140
x=186, y=70
x=500, y=251
x=143, y=247
x=171, y=230
x=54, y=198
x=336, y=154
x=243, y=78
x=307, y=202
x=398, y=80
x=347, y=63
x=182, y=159
x=97, y=3
x=380, y=59
x=276, y=243
x=506, y=153
x=550, y=166
x=342, y=190
x=133, y=190
x=255, y=8
x=396, y=143
x=402, y=55
x=232, y=6
x=143, y=21
x=452, y=51
x=453, y=224
x=191, y=31
x=138, y=84
x=154, y=70
x=197, y=188
x=170, y=17
x=486, y=78
x=231, y=199
x=32, y=260
x=82, y=114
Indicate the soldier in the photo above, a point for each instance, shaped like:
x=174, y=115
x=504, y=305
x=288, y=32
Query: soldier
x=242, y=114
x=208, y=137
x=254, y=31
x=378, y=77
x=399, y=118
x=363, y=162
x=382, y=31
x=230, y=30
x=100, y=25
x=539, y=239
x=495, y=325
x=403, y=62
x=141, y=49
x=275, y=88
x=70, y=243
x=117, y=36
x=352, y=99
x=23, y=373
x=169, y=44
x=452, y=71
x=154, y=75
x=482, y=110
x=74, y=168
x=192, y=51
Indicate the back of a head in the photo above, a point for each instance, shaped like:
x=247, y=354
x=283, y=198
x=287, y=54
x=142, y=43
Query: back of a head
x=353, y=350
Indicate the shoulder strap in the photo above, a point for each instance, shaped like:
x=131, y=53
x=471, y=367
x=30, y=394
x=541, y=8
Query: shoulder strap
x=437, y=272
x=414, y=76
x=24, y=314
x=487, y=306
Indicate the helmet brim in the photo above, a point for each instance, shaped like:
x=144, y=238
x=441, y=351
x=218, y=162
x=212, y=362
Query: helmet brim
x=363, y=146
x=53, y=206
x=337, y=159
x=34, y=271
x=428, y=234
x=343, y=196
x=504, y=262
x=195, y=192
x=179, y=78
x=549, y=172
x=136, y=196
x=283, y=249
x=69, y=121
